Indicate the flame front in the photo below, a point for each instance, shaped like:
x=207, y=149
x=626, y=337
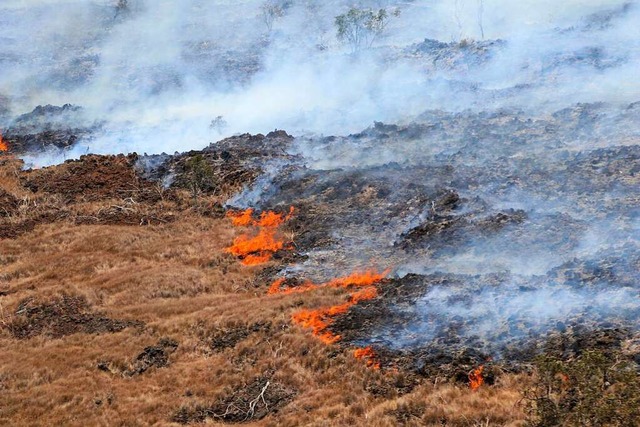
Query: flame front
x=476, y=379
x=319, y=320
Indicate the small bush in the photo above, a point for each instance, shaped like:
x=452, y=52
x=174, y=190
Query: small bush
x=200, y=175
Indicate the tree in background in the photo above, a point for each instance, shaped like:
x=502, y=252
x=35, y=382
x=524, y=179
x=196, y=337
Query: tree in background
x=360, y=27
x=200, y=176
x=272, y=10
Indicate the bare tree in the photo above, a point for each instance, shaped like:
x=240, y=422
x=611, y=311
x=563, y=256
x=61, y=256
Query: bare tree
x=481, y=17
x=270, y=13
x=360, y=27
x=457, y=10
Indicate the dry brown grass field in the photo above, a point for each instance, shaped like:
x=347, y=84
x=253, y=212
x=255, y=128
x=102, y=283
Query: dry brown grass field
x=118, y=324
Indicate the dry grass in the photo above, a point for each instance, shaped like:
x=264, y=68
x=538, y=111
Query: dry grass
x=176, y=278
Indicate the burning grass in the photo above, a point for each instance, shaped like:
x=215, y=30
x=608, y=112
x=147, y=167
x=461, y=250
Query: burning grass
x=3, y=145
x=320, y=320
x=256, y=249
x=476, y=379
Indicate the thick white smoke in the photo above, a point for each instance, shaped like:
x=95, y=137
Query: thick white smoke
x=158, y=72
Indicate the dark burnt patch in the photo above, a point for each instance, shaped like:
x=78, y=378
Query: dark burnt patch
x=232, y=164
x=62, y=316
x=48, y=127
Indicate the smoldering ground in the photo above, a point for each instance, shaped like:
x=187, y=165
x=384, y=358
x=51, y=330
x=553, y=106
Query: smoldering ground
x=505, y=140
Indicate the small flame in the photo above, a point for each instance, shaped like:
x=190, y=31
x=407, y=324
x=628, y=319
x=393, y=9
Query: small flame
x=257, y=249
x=476, y=379
x=241, y=219
x=272, y=219
x=368, y=355
x=366, y=278
x=276, y=288
x=3, y=145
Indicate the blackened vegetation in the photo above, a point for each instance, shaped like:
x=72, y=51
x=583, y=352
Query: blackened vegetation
x=90, y=190
x=224, y=338
x=93, y=178
x=249, y=402
x=8, y=203
x=62, y=316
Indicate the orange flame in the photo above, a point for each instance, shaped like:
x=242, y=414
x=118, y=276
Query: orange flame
x=265, y=241
x=272, y=219
x=258, y=249
x=368, y=355
x=475, y=378
x=366, y=278
x=3, y=145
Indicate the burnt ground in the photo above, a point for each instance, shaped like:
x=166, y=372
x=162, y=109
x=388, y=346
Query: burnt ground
x=470, y=210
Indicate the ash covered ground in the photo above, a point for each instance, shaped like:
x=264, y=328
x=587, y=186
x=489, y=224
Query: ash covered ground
x=495, y=175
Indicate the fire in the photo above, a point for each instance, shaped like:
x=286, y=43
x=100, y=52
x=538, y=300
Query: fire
x=241, y=219
x=3, y=145
x=475, y=378
x=358, y=279
x=319, y=320
x=264, y=243
x=257, y=249
x=368, y=355
x=271, y=219
x=267, y=219
x=366, y=278
x=276, y=288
